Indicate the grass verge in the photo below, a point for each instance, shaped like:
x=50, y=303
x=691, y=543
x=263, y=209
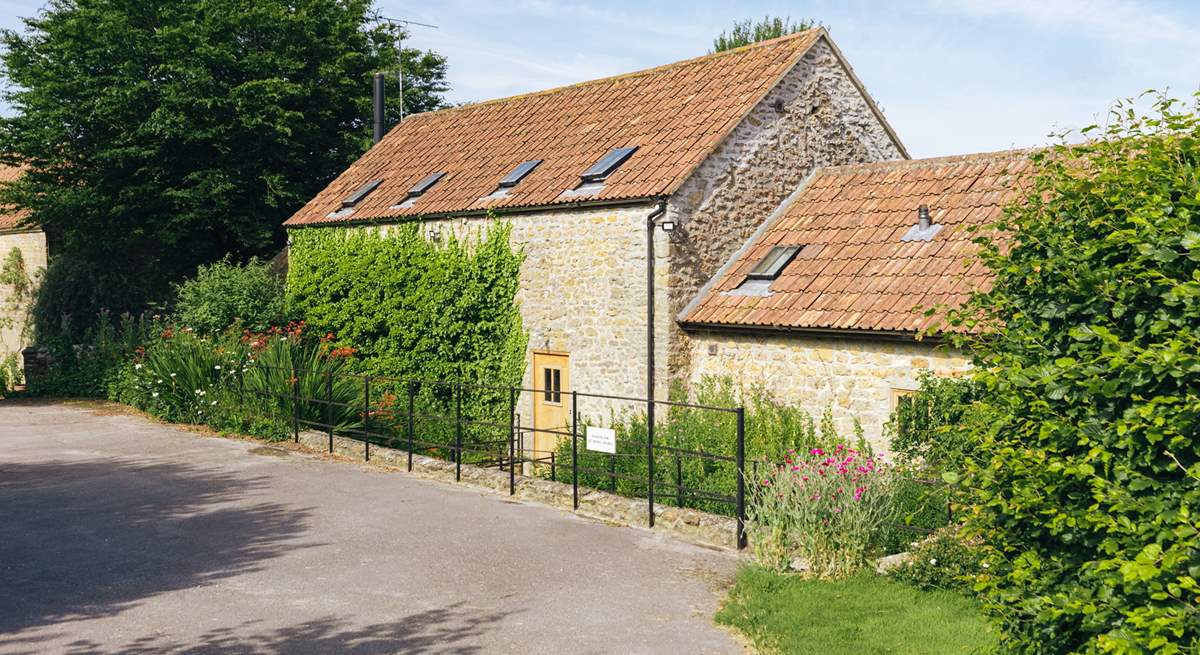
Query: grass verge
x=864, y=615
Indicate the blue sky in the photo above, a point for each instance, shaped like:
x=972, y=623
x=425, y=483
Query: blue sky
x=952, y=76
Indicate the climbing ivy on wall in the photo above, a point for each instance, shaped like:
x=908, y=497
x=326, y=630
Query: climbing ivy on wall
x=414, y=308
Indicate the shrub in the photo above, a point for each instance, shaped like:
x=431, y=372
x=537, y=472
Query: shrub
x=927, y=428
x=943, y=561
x=449, y=313
x=10, y=373
x=75, y=297
x=772, y=429
x=1087, y=472
x=284, y=364
x=223, y=293
x=241, y=383
x=830, y=510
x=91, y=363
x=180, y=377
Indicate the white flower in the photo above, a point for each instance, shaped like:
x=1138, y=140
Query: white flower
x=984, y=565
x=154, y=395
x=160, y=381
x=213, y=402
x=933, y=561
x=218, y=367
x=197, y=392
x=172, y=375
x=137, y=367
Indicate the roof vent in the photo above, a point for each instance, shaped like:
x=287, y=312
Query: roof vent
x=925, y=229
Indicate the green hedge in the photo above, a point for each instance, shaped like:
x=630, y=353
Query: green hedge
x=1087, y=472
x=418, y=309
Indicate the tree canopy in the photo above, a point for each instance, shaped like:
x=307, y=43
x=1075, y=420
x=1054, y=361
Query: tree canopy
x=747, y=31
x=164, y=134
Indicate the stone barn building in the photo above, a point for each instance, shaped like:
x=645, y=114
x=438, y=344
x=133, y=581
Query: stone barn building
x=716, y=142
x=17, y=239
x=827, y=300
x=708, y=164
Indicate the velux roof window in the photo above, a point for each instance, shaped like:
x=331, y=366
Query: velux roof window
x=425, y=184
x=418, y=189
x=772, y=265
x=360, y=193
x=607, y=165
x=517, y=174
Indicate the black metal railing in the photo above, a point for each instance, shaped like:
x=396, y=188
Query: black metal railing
x=480, y=424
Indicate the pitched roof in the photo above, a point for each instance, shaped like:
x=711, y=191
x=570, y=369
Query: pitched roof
x=675, y=114
x=11, y=218
x=856, y=272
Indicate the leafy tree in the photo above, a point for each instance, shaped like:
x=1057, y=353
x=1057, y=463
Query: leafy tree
x=747, y=31
x=163, y=134
x=1087, y=473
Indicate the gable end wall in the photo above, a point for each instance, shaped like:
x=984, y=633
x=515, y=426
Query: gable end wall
x=825, y=120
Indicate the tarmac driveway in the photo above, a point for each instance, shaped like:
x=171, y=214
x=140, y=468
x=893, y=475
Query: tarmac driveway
x=119, y=535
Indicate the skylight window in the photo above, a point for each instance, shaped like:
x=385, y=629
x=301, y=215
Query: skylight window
x=425, y=184
x=517, y=174
x=773, y=264
x=362, y=191
x=607, y=165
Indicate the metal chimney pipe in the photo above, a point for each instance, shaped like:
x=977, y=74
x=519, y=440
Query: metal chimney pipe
x=378, y=107
x=923, y=217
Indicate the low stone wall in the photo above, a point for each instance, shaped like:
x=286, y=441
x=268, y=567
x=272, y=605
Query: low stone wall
x=687, y=525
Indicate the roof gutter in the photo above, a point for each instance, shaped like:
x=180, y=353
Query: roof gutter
x=866, y=335
x=470, y=213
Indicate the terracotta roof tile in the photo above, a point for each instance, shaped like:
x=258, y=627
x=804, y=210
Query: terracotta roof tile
x=11, y=218
x=865, y=277
x=675, y=114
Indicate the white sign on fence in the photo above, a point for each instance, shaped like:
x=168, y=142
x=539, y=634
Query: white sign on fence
x=602, y=439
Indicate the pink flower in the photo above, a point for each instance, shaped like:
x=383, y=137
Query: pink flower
x=817, y=451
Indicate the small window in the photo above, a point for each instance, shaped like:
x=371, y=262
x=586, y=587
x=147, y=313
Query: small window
x=362, y=192
x=517, y=174
x=772, y=265
x=552, y=385
x=607, y=164
x=424, y=185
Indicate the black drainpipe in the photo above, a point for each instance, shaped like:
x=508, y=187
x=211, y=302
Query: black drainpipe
x=650, y=225
x=378, y=87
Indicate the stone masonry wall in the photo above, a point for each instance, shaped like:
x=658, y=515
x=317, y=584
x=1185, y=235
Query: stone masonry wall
x=853, y=377
x=815, y=117
x=33, y=249
x=583, y=293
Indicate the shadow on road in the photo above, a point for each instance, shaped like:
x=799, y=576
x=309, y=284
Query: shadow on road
x=81, y=540
x=454, y=629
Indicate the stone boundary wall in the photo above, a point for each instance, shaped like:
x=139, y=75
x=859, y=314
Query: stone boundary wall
x=687, y=525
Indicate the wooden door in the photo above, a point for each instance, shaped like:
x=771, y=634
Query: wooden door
x=551, y=404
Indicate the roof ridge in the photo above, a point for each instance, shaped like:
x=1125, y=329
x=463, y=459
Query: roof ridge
x=813, y=32
x=932, y=161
